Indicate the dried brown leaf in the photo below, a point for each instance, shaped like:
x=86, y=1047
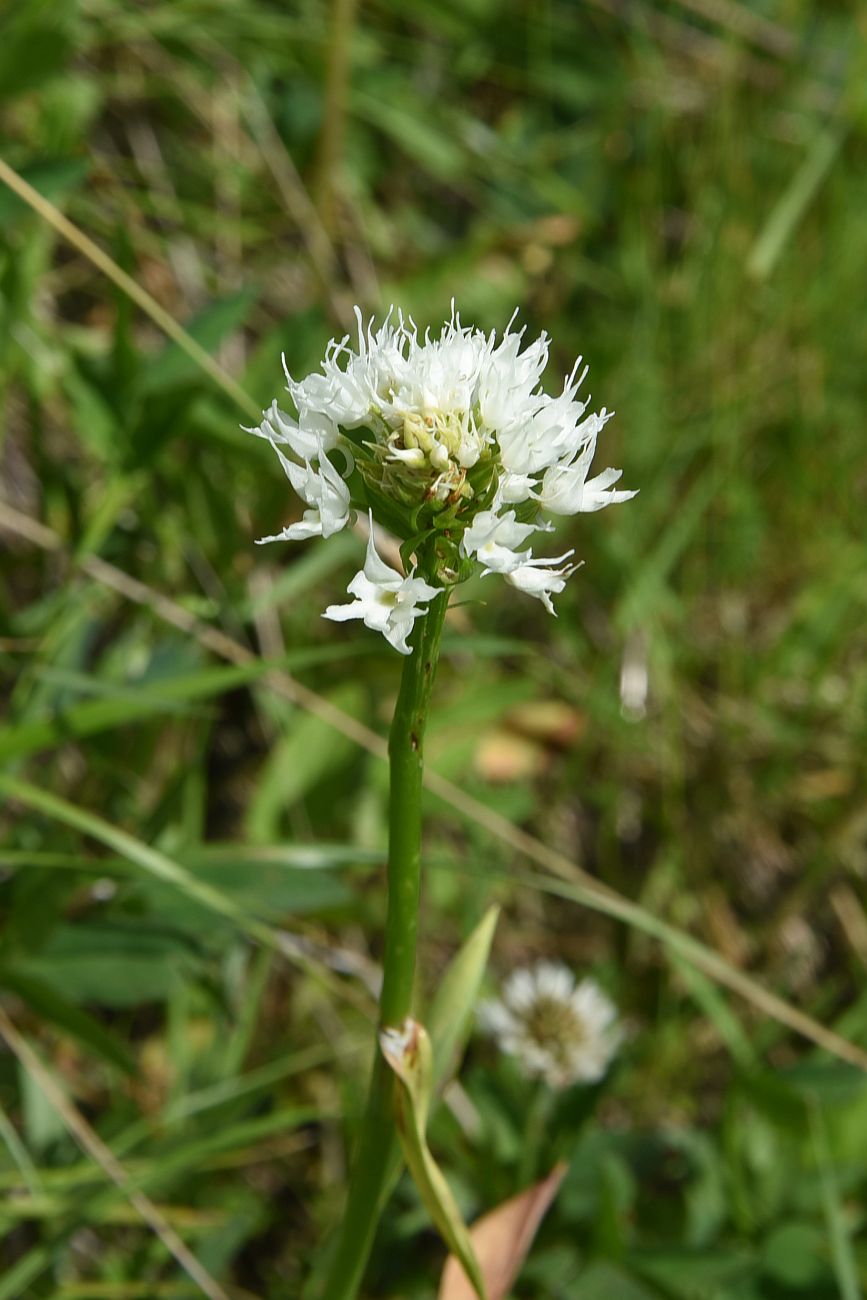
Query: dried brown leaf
x=502, y=1240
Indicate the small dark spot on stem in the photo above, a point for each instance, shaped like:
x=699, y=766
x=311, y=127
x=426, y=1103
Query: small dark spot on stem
x=413, y=740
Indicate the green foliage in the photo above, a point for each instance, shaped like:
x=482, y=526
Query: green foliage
x=192, y=863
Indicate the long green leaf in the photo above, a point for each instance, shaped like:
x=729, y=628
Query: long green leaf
x=452, y=1008
x=151, y=860
x=130, y=705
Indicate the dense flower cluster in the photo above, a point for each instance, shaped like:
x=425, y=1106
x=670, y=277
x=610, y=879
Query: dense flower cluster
x=451, y=444
x=562, y=1032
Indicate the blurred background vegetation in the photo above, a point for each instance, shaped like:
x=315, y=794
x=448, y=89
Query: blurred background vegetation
x=676, y=189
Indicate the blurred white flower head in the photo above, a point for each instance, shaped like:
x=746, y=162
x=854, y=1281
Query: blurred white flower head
x=448, y=440
x=560, y=1031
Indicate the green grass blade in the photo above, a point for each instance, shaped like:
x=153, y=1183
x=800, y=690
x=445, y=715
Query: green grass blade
x=843, y=1255
x=793, y=202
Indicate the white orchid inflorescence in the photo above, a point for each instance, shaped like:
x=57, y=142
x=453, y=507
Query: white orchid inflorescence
x=560, y=1031
x=450, y=444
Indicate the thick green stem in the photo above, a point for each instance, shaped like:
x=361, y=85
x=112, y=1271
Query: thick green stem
x=375, y=1153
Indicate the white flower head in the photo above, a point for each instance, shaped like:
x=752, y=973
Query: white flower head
x=451, y=441
x=560, y=1031
x=386, y=602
